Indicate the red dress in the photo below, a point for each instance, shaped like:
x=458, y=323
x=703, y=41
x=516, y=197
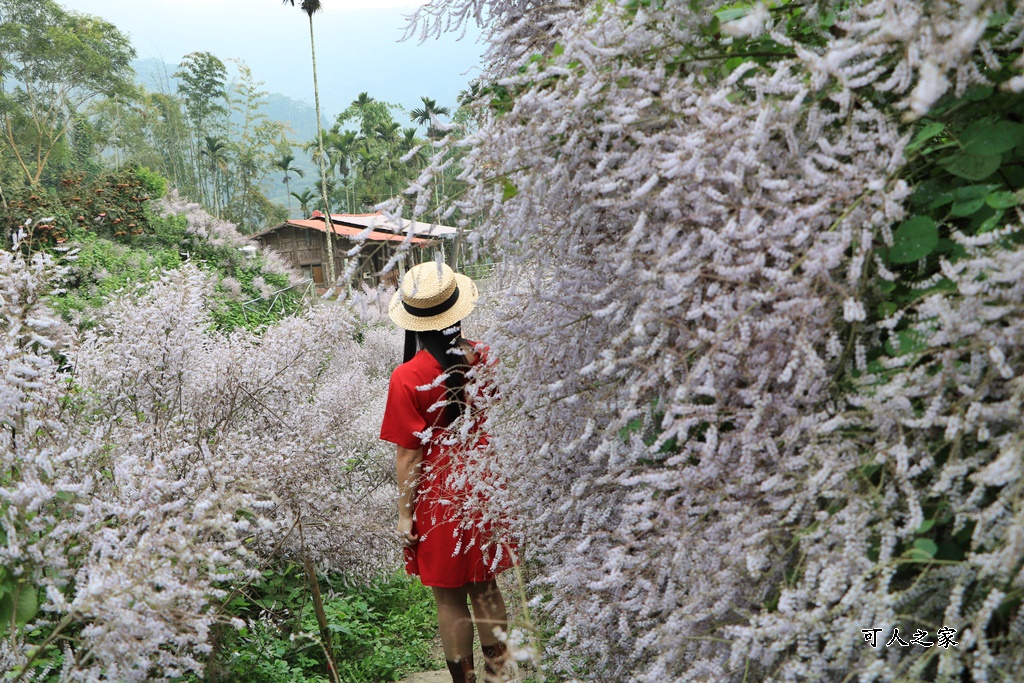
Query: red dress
x=447, y=555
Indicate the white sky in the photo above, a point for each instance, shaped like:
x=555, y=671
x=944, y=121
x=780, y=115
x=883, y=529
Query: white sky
x=356, y=41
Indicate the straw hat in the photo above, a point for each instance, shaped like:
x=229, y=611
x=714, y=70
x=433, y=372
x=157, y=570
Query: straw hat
x=432, y=297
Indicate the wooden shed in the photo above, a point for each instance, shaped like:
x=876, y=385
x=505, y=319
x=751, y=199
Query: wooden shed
x=302, y=242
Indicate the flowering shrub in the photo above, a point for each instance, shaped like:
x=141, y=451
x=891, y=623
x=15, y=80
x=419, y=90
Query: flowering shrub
x=150, y=466
x=180, y=231
x=725, y=460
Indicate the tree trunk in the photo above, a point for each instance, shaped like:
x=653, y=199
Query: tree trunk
x=328, y=223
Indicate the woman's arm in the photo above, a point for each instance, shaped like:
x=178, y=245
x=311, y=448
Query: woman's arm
x=407, y=468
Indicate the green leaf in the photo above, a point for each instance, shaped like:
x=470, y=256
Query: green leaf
x=924, y=548
x=730, y=14
x=886, y=286
x=914, y=239
x=509, y=190
x=886, y=309
x=22, y=605
x=967, y=207
x=925, y=526
x=926, y=134
x=954, y=249
x=991, y=223
x=940, y=200
x=974, y=191
x=928, y=191
x=633, y=426
x=1001, y=200
x=909, y=342
x=974, y=166
x=558, y=50
x=979, y=93
x=991, y=137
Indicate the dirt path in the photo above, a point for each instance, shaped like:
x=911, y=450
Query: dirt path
x=428, y=677
x=443, y=676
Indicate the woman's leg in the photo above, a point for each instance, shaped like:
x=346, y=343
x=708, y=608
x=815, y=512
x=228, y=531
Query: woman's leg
x=488, y=610
x=456, y=626
x=489, y=613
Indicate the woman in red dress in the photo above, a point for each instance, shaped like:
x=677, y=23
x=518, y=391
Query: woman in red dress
x=427, y=393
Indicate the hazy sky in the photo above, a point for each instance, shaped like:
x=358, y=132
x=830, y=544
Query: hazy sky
x=356, y=42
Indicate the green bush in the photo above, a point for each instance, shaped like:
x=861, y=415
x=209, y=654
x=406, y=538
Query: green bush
x=100, y=265
x=379, y=631
x=154, y=184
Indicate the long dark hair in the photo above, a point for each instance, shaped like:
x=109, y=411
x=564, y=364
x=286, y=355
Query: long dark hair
x=449, y=349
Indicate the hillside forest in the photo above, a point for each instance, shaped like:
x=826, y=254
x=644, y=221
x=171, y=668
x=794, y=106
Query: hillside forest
x=74, y=107
x=756, y=408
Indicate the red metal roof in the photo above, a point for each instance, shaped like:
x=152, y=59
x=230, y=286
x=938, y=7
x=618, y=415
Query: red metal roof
x=343, y=230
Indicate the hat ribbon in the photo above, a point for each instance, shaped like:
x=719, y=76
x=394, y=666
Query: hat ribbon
x=440, y=308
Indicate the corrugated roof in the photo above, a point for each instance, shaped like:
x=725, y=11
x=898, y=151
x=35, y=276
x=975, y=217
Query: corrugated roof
x=343, y=230
x=378, y=221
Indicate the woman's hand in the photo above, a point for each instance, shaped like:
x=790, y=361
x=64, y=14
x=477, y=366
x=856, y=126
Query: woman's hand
x=409, y=539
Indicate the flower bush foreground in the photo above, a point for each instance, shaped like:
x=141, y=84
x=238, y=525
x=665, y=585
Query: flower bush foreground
x=751, y=406
x=150, y=466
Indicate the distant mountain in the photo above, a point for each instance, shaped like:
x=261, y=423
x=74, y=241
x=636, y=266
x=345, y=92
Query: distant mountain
x=300, y=116
x=155, y=75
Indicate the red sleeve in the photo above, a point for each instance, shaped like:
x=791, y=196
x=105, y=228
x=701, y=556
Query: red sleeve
x=401, y=418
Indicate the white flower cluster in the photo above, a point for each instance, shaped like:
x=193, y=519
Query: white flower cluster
x=702, y=500
x=219, y=232
x=159, y=464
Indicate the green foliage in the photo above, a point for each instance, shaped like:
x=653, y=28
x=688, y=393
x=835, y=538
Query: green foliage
x=112, y=205
x=114, y=242
x=103, y=267
x=914, y=239
x=151, y=182
x=53, y=62
x=203, y=77
x=379, y=631
x=19, y=601
x=249, y=309
x=965, y=162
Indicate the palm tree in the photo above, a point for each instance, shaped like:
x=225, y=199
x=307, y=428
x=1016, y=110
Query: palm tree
x=408, y=142
x=342, y=147
x=362, y=104
x=387, y=133
x=309, y=8
x=285, y=164
x=312, y=148
x=216, y=150
x=328, y=182
x=304, y=199
x=469, y=95
x=426, y=114
x=362, y=100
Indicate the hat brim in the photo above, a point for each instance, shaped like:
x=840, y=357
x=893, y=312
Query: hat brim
x=465, y=304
